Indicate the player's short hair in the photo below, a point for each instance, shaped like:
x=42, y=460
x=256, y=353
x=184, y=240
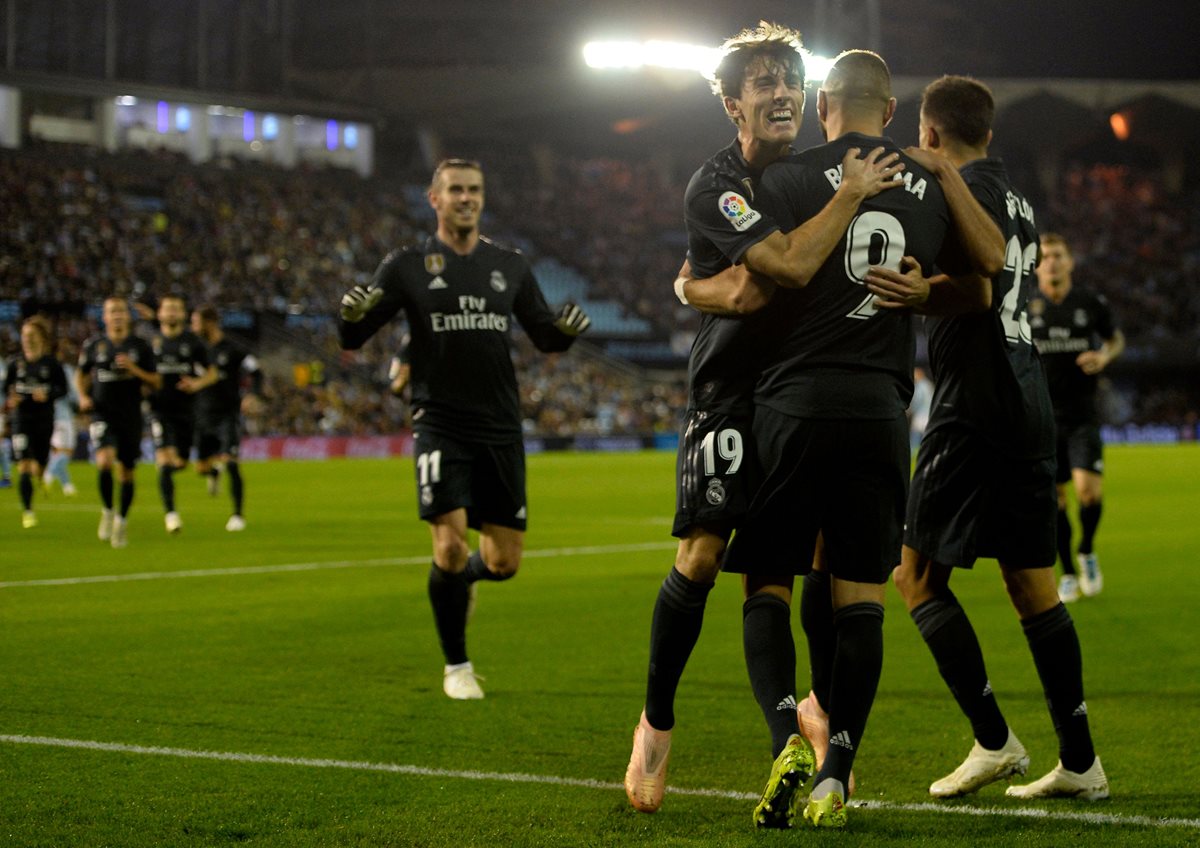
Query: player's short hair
x=453, y=163
x=174, y=296
x=1056, y=239
x=960, y=107
x=859, y=77
x=208, y=314
x=766, y=40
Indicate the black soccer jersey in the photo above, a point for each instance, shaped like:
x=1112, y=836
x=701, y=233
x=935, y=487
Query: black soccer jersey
x=834, y=354
x=723, y=220
x=23, y=379
x=116, y=392
x=223, y=397
x=182, y=355
x=1061, y=332
x=988, y=378
x=459, y=311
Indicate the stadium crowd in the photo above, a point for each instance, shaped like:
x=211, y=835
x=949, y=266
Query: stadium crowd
x=76, y=224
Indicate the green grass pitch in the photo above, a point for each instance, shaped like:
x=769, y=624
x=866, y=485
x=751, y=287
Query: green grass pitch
x=332, y=668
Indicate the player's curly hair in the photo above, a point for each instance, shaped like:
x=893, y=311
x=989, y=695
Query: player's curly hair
x=960, y=107
x=767, y=39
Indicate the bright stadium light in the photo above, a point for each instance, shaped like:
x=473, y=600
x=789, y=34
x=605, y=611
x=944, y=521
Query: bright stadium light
x=656, y=54
x=607, y=55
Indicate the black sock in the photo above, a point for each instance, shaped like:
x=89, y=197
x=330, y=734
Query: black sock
x=126, y=497
x=1063, y=542
x=106, y=487
x=816, y=617
x=951, y=639
x=771, y=662
x=235, y=484
x=214, y=472
x=674, y=630
x=856, y=668
x=1055, y=647
x=448, y=595
x=477, y=570
x=1089, y=520
x=25, y=486
x=166, y=486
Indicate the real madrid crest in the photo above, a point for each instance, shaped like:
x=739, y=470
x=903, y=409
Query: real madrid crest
x=715, y=494
x=435, y=263
x=1081, y=317
x=498, y=282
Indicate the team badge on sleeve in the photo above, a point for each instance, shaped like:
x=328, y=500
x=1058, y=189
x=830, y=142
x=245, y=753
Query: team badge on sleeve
x=737, y=210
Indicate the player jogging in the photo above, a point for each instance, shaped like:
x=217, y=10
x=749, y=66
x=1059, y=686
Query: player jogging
x=459, y=293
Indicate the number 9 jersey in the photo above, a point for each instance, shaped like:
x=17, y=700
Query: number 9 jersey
x=830, y=330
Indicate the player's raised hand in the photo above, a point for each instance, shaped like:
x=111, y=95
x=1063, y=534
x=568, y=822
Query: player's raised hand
x=572, y=320
x=927, y=159
x=899, y=289
x=357, y=302
x=873, y=173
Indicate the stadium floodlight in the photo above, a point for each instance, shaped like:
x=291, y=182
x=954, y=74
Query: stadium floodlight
x=631, y=55
x=655, y=54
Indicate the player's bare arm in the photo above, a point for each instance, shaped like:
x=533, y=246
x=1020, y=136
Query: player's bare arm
x=791, y=260
x=191, y=385
x=734, y=291
x=83, y=388
x=941, y=294
x=1095, y=361
x=980, y=237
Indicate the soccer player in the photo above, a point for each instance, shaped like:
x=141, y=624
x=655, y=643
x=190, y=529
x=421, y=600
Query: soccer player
x=829, y=415
x=761, y=82
x=219, y=407
x=183, y=370
x=33, y=381
x=62, y=442
x=1075, y=334
x=984, y=478
x=459, y=292
x=113, y=370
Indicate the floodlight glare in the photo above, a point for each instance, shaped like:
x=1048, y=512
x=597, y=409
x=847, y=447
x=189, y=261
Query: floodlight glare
x=605, y=55
x=657, y=54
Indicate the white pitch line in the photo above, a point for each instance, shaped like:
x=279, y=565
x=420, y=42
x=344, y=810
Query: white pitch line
x=317, y=566
x=551, y=780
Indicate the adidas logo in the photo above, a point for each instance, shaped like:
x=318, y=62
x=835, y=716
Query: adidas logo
x=788, y=703
x=437, y=283
x=987, y=689
x=1081, y=710
x=521, y=513
x=842, y=740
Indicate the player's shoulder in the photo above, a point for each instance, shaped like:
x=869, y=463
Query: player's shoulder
x=723, y=170
x=500, y=258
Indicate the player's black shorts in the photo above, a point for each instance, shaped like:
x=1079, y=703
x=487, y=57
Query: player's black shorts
x=845, y=478
x=968, y=501
x=218, y=436
x=716, y=471
x=487, y=480
x=31, y=440
x=125, y=435
x=173, y=430
x=1079, y=446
